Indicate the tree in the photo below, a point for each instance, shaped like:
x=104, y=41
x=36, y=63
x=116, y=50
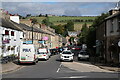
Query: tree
x=46, y=15
x=34, y=21
x=46, y=22
x=84, y=33
x=70, y=26
x=40, y=15
x=28, y=15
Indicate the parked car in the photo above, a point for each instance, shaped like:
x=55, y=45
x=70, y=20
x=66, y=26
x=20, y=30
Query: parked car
x=83, y=55
x=66, y=56
x=27, y=54
x=43, y=53
x=76, y=48
x=54, y=51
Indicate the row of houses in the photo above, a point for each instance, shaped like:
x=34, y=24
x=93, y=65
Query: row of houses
x=108, y=38
x=13, y=33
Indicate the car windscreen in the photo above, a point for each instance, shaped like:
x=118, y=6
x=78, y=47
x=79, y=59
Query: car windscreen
x=66, y=53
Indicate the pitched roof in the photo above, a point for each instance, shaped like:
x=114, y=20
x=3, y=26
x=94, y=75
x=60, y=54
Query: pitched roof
x=8, y=24
x=112, y=16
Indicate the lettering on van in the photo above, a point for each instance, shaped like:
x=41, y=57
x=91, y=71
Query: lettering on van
x=26, y=50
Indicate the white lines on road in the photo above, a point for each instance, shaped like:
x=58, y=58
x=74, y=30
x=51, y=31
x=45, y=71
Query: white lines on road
x=59, y=68
x=73, y=77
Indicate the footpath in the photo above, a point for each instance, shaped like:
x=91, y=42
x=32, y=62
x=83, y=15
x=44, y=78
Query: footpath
x=88, y=67
x=9, y=67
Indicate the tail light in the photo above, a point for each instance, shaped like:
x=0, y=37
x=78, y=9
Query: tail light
x=44, y=55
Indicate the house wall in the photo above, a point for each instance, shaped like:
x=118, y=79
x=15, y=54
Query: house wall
x=11, y=47
x=112, y=39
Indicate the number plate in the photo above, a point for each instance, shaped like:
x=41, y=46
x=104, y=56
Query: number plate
x=23, y=58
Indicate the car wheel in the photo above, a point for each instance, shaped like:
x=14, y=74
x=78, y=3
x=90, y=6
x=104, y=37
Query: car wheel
x=71, y=60
x=78, y=59
x=34, y=63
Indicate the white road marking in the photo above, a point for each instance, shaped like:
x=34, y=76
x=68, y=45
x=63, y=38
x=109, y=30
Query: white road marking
x=59, y=68
x=75, y=77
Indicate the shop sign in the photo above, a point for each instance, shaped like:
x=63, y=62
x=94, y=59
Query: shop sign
x=44, y=38
x=27, y=42
x=42, y=42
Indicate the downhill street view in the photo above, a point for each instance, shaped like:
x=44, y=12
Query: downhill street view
x=59, y=40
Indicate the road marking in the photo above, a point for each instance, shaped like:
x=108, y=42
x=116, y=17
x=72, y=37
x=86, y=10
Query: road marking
x=59, y=68
x=75, y=77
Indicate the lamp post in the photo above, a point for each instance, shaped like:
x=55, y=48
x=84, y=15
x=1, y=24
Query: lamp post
x=33, y=21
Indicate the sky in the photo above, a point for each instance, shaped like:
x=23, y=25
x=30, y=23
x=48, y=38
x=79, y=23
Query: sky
x=58, y=8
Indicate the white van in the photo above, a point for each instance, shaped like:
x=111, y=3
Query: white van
x=27, y=54
x=43, y=53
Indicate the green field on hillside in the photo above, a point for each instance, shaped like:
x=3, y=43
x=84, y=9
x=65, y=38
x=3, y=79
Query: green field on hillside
x=78, y=21
x=64, y=19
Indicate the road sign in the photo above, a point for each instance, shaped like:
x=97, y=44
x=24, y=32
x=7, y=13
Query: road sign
x=27, y=42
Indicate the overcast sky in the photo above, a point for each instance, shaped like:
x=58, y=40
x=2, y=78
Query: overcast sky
x=58, y=8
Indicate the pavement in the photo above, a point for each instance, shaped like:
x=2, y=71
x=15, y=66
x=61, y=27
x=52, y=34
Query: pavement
x=83, y=67
x=110, y=68
x=9, y=67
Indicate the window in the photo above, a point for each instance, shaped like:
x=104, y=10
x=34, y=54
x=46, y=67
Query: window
x=12, y=33
x=112, y=24
x=118, y=23
x=6, y=32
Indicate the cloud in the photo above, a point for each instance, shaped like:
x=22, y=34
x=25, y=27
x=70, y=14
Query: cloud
x=58, y=8
x=59, y=0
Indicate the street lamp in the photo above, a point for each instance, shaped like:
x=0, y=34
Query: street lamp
x=33, y=21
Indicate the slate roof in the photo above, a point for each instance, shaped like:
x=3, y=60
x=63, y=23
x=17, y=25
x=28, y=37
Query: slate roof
x=8, y=24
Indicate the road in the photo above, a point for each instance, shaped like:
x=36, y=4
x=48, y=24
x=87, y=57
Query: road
x=53, y=68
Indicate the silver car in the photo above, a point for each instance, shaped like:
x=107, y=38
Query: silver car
x=83, y=55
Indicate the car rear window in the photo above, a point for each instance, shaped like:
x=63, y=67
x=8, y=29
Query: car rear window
x=41, y=53
x=66, y=53
x=84, y=53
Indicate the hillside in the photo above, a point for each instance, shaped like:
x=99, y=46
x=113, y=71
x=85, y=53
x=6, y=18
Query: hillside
x=78, y=21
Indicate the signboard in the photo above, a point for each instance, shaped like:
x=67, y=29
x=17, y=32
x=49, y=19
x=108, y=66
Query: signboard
x=27, y=42
x=42, y=42
x=44, y=38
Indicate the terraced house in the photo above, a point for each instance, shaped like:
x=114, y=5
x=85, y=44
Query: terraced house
x=14, y=33
x=108, y=37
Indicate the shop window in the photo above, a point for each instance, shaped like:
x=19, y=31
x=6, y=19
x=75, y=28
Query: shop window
x=12, y=33
x=6, y=32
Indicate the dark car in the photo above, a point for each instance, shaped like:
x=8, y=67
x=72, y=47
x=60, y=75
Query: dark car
x=77, y=48
x=83, y=55
x=54, y=51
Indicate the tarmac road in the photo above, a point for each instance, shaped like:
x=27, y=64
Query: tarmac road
x=54, y=69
